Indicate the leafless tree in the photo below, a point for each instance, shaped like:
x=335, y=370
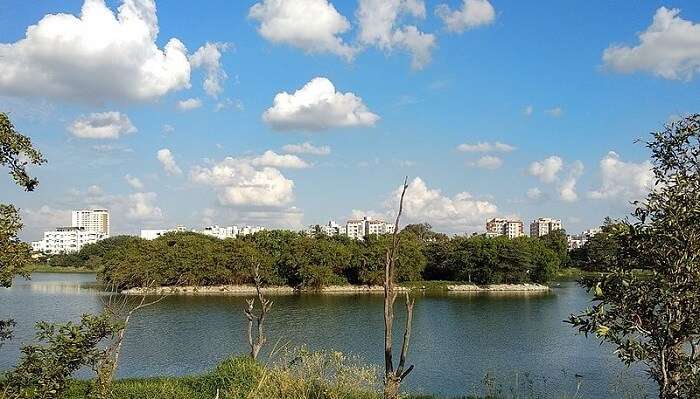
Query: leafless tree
x=394, y=377
x=265, y=305
x=119, y=309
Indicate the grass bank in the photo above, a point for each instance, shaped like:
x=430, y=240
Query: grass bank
x=42, y=268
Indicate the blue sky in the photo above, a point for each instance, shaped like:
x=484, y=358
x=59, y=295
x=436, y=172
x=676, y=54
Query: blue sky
x=558, y=84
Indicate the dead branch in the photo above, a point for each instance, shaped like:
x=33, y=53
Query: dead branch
x=256, y=343
x=393, y=378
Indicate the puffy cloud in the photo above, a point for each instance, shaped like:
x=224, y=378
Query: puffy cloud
x=459, y=213
x=534, y=193
x=567, y=190
x=486, y=147
x=669, y=48
x=554, y=112
x=546, y=170
x=97, y=56
x=488, y=162
x=378, y=27
x=528, y=110
x=473, y=13
x=134, y=182
x=311, y=25
x=271, y=158
x=227, y=103
x=209, y=58
x=37, y=220
x=189, y=104
x=318, y=106
x=623, y=180
x=237, y=182
x=102, y=125
x=168, y=161
x=307, y=148
x=140, y=206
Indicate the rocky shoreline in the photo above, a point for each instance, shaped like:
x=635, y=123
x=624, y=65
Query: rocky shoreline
x=333, y=289
x=498, y=288
x=250, y=290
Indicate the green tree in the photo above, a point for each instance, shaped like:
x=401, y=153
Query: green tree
x=653, y=319
x=600, y=251
x=16, y=152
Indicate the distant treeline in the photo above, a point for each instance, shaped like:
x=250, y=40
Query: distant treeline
x=299, y=260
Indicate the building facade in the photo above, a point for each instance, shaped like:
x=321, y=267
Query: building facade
x=91, y=220
x=358, y=229
x=67, y=240
x=511, y=228
x=543, y=226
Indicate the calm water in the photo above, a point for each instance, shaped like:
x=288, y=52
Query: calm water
x=457, y=339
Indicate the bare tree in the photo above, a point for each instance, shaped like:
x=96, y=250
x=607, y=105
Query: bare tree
x=119, y=309
x=265, y=306
x=394, y=377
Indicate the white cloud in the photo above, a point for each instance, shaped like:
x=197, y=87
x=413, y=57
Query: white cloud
x=37, y=220
x=94, y=190
x=457, y=214
x=140, y=206
x=311, y=25
x=271, y=158
x=488, y=162
x=237, y=182
x=486, y=147
x=318, y=106
x=168, y=161
x=134, y=182
x=546, y=170
x=227, y=103
x=669, y=48
x=623, y=180
x=378, y=27
x=167, y=129
x=567, y=190
x=95, y=57
x=307, y=148
x=102, y=125
x=474, y=13
x=528, y=110
x=534, y=193
x=209, y=58
x=189, y=104
x=554, y=112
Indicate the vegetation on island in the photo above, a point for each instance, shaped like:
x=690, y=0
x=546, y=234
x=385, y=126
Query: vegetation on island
x=303, y=261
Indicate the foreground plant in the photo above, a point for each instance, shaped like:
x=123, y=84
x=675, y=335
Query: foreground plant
x=44, y=370
x=256, y=341
x=654, y=318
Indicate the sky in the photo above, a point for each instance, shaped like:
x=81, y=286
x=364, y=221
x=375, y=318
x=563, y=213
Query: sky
x=286, y=113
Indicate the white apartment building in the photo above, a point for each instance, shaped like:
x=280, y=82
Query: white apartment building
x=67, y=240
x=578, y=241
x=221, y=233
x=510, y=228
x=246, y=230
x=155, y=233
x=91, y=220
x=543, y=226
x=360, y=228
x=330, y=229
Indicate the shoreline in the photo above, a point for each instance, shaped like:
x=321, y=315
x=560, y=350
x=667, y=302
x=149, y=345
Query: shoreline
x=231, y=289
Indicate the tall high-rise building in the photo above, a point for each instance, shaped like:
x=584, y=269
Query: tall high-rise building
x=543, y=226
x=510, y=228
x=96, y=220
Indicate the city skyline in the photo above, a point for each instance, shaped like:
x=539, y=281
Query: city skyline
x=222, y=133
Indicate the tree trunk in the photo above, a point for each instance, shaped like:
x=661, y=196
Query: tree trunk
x=391, y=388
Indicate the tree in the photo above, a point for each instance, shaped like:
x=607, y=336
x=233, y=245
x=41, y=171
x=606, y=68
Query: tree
x=16, y=152
x=600, y=251
x=43, y=371
x=256, y=342
x=394, y=376
x=653, y=318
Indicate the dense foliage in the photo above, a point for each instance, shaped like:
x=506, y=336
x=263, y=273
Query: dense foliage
x=599, y=253
x=44, y=370
x=653, y=318
x=299, y=260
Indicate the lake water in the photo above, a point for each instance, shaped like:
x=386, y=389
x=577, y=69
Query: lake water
x=457, y=339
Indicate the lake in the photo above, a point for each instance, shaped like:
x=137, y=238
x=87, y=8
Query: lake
x=457, y=338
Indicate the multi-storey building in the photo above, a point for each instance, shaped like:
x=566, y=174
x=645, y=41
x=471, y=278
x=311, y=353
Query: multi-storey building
x=67, y=240
x=578, y=241
x=155, y=233
x=330, y=229
x=510, y=228
x=221, y=232
x=360, y=228
x=91, y=220
x=543, y=226
x=246, y=230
